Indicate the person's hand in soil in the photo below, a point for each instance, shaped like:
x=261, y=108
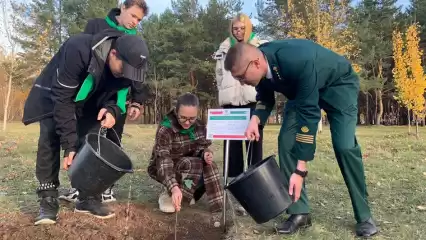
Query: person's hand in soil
x=208, y=157
x=68, y=160
x=106, y=118
x=176, y=198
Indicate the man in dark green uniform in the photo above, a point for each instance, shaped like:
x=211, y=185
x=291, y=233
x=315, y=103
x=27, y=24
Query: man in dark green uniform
x=312, y=78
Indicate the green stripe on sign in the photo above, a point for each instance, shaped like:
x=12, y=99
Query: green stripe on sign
x=228, y=118
x=238, y=112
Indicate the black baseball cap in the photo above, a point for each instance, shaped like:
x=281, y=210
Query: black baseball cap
x=134, y=53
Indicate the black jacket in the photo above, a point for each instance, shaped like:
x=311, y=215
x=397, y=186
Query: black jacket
x=139, y=91
x=55, y=89
x=96, y=25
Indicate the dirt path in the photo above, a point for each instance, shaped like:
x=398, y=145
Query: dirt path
x=143, y=223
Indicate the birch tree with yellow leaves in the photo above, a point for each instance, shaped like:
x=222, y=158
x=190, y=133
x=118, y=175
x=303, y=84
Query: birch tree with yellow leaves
x=325, y=22
x=408, y=72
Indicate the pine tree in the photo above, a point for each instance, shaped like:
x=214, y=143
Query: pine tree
x=76, y=13
x=32, y=19
x=373, y=22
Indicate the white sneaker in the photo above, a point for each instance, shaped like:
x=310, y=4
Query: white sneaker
x=165, y=203
x=71, y=196
x=108, y=196
x=192, y=202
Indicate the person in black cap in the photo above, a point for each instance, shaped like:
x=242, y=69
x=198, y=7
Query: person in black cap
x=82, y=89
x=124, y=19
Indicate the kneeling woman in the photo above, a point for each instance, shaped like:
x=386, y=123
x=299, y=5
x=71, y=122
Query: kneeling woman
x=182, y=161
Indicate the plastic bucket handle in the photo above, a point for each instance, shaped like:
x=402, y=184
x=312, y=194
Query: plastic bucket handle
x=103, y=132
x=101, y=158
x=247, y=158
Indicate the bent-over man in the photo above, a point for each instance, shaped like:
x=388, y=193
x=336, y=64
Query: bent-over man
x=311, y=77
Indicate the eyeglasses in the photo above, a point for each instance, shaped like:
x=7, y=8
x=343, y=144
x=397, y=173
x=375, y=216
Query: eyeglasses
x=238, y=28
x=183, y=119
x=243, y=76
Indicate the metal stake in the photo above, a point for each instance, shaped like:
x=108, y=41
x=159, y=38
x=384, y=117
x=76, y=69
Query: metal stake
x=226, y=183
x=176, y=222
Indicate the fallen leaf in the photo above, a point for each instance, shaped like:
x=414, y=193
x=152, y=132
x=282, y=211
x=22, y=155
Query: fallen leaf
x=421, y=208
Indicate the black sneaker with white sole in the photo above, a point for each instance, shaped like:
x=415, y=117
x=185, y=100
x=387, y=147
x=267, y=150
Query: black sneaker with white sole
x=49, y=207
x=93, y=207
x=108, y=196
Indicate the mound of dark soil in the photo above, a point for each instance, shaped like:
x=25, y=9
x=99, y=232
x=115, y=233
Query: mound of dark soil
x=140, y=222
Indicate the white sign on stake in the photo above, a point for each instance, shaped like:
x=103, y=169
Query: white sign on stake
x=227, y=124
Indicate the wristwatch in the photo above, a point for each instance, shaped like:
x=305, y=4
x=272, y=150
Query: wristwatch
x=303, y=174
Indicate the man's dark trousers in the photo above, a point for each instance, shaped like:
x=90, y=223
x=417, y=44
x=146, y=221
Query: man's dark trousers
x=49, y=156
x=236, y=155
x=341, y=105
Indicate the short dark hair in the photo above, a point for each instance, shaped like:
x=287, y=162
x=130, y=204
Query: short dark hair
x=187, y=99
x=233, y=56
x=139, y=3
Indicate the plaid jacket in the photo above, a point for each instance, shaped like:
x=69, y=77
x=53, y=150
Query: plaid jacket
x=171, y=145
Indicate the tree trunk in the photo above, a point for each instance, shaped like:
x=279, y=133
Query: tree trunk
x=156, y=97
x=397, y=116
x=379, y=106
x=7, y=99
x=144, y=114
x=277, y=116
x=417, y=129
x=192, y=79
x=375, y=108
x=409, y=121
x=151, y=115
x=367, y=110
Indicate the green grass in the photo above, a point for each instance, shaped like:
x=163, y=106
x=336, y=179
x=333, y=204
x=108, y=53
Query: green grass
x=395, y=165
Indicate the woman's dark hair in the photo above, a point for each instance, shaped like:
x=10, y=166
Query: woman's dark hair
x=138, y=3
x=188, y=100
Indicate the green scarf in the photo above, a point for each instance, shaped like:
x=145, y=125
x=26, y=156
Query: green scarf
x=190, y=131
x=112, y=24
x=234, y=41
x=87, y=86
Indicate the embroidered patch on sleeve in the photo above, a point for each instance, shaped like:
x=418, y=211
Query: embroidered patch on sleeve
x=305, y=138
x=304, y=129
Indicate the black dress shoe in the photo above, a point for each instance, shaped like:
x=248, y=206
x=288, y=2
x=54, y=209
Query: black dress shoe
x=294, y=223
x=366, y=229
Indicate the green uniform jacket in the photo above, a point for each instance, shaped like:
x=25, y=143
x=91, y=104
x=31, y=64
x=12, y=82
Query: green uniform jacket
x=303, y=71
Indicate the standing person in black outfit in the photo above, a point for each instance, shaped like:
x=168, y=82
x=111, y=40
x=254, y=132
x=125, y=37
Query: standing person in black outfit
x=82, y=88
x=124, y=19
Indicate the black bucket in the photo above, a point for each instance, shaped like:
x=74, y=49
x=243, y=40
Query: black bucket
x=261, y=190
x=95, y=169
